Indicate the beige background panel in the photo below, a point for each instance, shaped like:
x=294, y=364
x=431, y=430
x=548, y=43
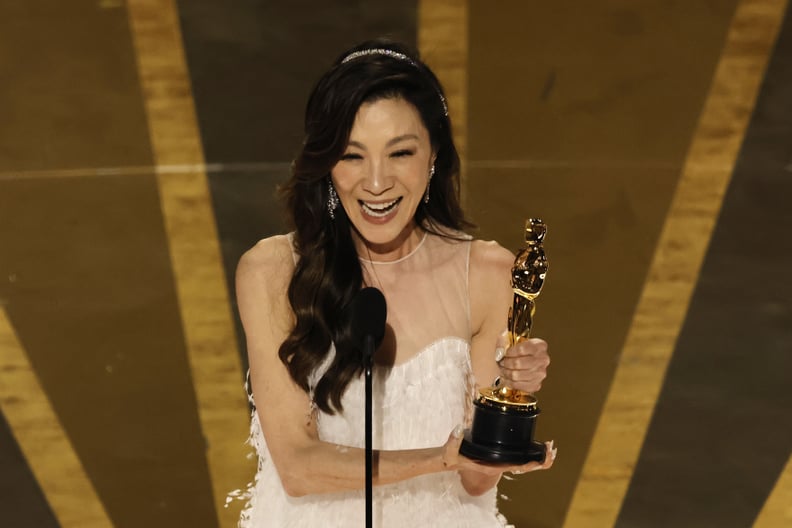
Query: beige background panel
x=675, y=267
x=67, y=99
x=606, y=82
x=195, y=255
x=40, y=436
x=443, y=43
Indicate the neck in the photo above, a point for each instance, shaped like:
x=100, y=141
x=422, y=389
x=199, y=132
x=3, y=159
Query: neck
x=402, y=246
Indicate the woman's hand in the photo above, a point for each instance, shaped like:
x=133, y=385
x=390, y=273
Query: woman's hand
x=524, y=365
x=478, y=477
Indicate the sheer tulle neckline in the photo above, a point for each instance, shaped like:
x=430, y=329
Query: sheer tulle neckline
x=400, y=259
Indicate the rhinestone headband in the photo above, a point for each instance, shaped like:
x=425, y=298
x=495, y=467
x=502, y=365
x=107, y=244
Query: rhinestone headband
x=394, y=55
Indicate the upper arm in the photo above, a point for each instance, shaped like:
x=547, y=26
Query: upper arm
x=490, y=299
x=262, y=281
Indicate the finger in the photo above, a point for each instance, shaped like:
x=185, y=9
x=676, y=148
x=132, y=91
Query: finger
x=534, y=363
x=451, y=450
x=529, y=388
x=523, y=376
x=531, y=347
x=518, y=352
x=500, y=352
x=456, y=435
x=500, y=346
x=550, y=456
x=526, y=468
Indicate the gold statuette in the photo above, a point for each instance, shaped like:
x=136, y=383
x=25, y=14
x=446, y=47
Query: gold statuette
x=503, y=419
x=528, y=275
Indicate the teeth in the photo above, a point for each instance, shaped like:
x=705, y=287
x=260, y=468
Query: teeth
x=380, y=209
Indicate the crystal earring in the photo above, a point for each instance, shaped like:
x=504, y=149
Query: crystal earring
x=426, y=194
x=332, y=199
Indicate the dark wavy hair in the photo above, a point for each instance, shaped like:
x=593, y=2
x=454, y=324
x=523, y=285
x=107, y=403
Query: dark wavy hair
x=328, y=273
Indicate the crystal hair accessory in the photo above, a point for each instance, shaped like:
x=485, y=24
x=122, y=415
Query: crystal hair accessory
x=378, y=51
x=394, y=55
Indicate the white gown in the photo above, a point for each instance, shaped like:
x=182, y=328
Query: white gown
x=417, y=402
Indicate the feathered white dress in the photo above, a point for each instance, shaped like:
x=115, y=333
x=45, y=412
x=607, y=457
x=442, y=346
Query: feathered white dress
x=416, y=404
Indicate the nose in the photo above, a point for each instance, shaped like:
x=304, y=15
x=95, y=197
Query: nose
x=377, y=180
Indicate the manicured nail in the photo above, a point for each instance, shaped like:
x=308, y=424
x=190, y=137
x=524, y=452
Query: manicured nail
x=551, y=450
x=459, y=430
x=499, y=353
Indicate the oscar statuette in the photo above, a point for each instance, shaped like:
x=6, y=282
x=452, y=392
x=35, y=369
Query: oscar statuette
x=503, y=418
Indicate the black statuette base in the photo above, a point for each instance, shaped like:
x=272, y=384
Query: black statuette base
x=502, y=436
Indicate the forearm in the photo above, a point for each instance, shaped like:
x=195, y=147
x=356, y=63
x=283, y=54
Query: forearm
x=477, y=483
x=328, y=468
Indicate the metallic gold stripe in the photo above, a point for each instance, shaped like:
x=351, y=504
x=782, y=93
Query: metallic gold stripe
x=777, y=510
x=443, y=42
x=675, y=267
x=195, y=253
x=44, y=443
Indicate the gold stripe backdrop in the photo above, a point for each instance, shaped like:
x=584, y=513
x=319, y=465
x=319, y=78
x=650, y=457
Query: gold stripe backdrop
x=777, y=510
x=194, y=248
x=44, y=443
x=674, y=271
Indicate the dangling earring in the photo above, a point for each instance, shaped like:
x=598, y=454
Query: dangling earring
x=332, y=199
x=426, y=194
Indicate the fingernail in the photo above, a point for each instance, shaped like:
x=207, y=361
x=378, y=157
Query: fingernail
x=459, y=430
x=551, y=449
x=499, y=353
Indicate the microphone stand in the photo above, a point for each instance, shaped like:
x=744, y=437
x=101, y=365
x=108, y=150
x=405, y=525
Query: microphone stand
x=368, y=355
x=368, y=312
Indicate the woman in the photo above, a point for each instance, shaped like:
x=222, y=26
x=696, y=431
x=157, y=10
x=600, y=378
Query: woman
x=373, y=199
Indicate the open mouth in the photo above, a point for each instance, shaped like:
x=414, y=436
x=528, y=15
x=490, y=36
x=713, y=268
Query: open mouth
x=379, y=210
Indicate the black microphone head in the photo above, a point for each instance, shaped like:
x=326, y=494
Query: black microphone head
x=368, y=313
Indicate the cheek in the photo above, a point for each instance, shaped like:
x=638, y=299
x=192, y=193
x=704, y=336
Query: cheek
x=344, y=178
x=417, y=177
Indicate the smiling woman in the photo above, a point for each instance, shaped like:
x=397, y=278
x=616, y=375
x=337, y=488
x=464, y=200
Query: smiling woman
x=373, y=199
x=383, y=176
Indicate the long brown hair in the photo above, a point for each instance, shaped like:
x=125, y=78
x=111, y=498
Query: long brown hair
x=328, y=272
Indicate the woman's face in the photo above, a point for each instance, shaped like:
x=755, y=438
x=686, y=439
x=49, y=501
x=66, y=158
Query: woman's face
x=382, y=176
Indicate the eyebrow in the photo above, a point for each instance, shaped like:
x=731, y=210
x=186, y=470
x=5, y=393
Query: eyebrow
x=390, y=142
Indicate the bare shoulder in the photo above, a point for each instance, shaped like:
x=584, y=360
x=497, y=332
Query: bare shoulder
x=488, y=259
x=490, y=283
x=262, y=278
x=270, y=259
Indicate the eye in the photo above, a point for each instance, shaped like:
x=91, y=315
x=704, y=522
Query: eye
x=402, y=153
x=351, y=156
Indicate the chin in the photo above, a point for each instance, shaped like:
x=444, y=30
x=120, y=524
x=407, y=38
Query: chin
x=380, y=237
x=387, y=236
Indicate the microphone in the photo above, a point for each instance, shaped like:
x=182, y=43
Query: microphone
x=368, y=313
